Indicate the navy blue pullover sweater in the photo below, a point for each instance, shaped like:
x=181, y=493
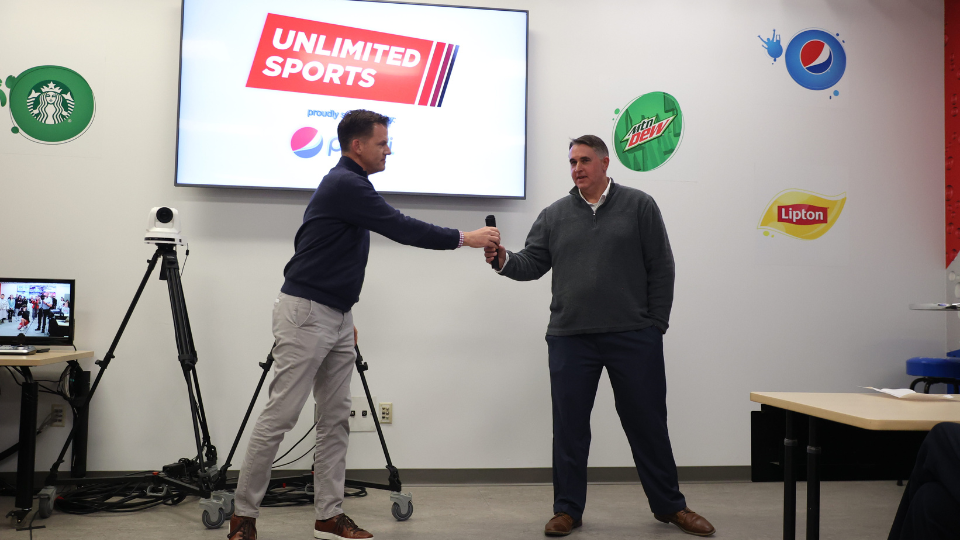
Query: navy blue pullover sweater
x=332, y=245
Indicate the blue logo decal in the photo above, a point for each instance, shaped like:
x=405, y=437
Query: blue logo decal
x=772, y=45
x=815, y=59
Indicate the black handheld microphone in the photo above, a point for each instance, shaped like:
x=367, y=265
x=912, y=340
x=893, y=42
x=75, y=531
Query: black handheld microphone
x=495, y=263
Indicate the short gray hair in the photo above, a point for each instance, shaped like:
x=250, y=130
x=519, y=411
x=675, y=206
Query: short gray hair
x=594, y=142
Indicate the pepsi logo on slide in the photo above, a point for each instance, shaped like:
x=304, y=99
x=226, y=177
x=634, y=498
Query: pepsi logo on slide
x=306, y=142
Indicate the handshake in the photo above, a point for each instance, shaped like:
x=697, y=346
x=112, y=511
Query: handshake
x=489, y=239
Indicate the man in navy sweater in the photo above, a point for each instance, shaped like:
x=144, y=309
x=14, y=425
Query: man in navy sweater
x=313, y=322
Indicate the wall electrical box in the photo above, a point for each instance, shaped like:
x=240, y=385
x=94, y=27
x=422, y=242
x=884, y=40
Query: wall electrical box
x=361, y=417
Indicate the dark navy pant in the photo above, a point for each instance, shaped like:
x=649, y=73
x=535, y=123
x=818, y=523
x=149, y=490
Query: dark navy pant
x=634, y=362
x=930, y=507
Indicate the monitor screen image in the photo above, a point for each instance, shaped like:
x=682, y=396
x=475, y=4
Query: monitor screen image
x=264, y=84
x=36, y=311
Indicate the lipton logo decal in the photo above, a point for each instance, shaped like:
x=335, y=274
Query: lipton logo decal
x=802, y=214
x=312, y=57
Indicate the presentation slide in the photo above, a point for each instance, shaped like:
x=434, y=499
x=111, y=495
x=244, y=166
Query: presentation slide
x=263, y=85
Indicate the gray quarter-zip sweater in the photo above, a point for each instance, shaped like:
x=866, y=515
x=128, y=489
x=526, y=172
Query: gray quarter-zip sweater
x=613, y=270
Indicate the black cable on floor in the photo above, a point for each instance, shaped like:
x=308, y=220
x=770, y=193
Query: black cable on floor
x=127, y=497
x=299, y=492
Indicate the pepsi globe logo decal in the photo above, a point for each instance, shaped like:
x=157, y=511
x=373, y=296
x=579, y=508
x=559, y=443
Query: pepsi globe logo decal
x=815, y=59
x=306, y=142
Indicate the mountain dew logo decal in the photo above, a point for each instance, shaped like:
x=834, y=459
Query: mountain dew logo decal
x=647, y=132
x=644, y=131
x=49, y=104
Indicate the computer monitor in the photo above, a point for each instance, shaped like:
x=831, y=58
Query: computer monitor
x=42, y=311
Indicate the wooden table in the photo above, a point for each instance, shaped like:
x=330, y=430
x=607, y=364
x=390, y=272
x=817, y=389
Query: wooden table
x=29, y=397
x=868, y=411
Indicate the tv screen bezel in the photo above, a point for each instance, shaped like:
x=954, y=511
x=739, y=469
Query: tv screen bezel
x=45, y=340
x=526, y=112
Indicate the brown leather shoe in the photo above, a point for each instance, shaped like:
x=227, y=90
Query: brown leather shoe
x=338, y=528
x=561, y=524
x=689, y=522
x=242, y=528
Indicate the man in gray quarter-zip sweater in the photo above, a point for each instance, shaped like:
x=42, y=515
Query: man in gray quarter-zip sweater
x=613, y=277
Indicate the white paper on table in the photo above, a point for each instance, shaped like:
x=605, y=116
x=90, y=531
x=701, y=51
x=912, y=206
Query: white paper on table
x=906, y=393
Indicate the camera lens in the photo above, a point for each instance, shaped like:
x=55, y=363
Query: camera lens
x=164, y=215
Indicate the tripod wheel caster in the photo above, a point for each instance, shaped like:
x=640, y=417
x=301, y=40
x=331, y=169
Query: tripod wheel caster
x=213, y=523
x=45, y=501
x=399, y=516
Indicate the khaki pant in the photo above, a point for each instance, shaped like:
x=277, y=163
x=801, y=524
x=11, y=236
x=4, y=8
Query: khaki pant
x=314, y=351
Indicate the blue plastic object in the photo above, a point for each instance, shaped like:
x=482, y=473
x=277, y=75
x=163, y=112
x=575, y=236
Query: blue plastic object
x=943, y=368
x=936, y=370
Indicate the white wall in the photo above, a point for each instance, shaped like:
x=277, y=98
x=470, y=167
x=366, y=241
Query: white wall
x=457, y=349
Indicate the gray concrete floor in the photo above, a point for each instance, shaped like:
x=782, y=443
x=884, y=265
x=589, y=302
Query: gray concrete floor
x=743, y=511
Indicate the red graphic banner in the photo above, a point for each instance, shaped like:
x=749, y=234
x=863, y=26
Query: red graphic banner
x=312, y=57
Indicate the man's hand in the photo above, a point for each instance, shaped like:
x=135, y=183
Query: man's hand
x=355, y=334
x=498, y=251
x=487, y=237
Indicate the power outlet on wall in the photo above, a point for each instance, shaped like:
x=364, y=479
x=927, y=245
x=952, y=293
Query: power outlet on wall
x=361, y=417
x=57, y=411
x=386, y=413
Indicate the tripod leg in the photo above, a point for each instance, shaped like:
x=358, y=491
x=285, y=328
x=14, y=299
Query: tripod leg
x=202, y=473
x=222, y=479
x=170, y=271
x=123, y=325
x=394, y=478
x=211, y=451
x=151, y=264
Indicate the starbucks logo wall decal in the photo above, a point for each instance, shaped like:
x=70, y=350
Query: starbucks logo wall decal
x=50, y=104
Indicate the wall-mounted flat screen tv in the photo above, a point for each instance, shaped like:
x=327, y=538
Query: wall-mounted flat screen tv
x=36, y=311
x=264, y=83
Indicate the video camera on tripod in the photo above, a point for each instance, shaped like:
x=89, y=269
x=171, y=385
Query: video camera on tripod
x=188, y=476
x=163, y=226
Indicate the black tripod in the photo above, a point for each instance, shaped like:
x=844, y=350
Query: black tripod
x=186, y=476
x=401, y=507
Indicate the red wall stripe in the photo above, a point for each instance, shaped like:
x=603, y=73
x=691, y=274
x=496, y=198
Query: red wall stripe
x=951, y=87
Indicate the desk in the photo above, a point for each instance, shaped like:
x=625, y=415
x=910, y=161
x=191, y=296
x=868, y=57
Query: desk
x=867, y=411
x=29, y=397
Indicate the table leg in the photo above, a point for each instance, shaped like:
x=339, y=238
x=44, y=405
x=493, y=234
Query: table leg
x=29, y=395
x=78, y=465
x=813, y=483
x=789, y=481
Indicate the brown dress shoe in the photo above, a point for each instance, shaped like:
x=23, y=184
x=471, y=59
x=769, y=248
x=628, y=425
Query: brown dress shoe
x=689, y=522
x=561, y=524
x=338, y=528
x=242, y=528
